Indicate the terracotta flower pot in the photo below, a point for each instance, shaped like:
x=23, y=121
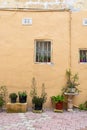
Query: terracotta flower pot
x=59, y=105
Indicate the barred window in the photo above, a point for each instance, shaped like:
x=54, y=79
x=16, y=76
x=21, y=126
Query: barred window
x=83, y=55
x=43, y=51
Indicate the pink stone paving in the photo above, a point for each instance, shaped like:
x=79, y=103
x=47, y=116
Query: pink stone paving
x=47, y=120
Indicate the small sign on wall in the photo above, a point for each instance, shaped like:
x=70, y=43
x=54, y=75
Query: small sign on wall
x=85, y=21
x=27, y=21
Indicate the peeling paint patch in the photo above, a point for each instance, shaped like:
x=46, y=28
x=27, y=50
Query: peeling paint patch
x=74, y=5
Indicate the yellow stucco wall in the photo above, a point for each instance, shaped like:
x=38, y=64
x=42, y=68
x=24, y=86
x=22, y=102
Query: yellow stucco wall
x=17, y=66
x=79, y=41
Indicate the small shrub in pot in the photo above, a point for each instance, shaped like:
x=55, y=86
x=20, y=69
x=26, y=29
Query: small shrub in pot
x=13, y=97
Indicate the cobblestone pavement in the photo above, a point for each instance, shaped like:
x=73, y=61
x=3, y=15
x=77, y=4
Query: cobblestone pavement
x=47, y=120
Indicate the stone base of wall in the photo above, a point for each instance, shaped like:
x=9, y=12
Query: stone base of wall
x=16, y=107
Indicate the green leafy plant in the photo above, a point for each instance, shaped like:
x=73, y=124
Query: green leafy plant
x=57, y=102
x=3, y=95
x=72, y=82
x=83, y=106
x=13, y=95
x=22, y=94
x=58, y=98
x=38, y=100
x=2, y=102
x=22, y=97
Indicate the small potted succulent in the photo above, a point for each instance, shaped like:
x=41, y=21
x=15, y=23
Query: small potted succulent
x=58, y=101
x=22, y=97
x=13, y=97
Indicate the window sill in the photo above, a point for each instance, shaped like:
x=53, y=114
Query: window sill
x=46, y=63
x=82, y=62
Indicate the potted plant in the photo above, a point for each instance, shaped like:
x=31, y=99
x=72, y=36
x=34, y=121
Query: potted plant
x=58, y=100
x=22, y=97
x=71, y=89
x=2, y=102
x=38, y=101
x=72, y=82
x=13, y=97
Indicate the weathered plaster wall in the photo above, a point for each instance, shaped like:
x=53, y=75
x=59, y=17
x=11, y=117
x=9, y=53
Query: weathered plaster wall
x=74, y=5
x=17, y=66
x=36, y=4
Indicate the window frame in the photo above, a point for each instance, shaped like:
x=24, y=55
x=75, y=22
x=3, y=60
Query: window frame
x=42, y=40
x=82, y=49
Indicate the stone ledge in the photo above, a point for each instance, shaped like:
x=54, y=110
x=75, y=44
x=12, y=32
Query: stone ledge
x=37, y=111
x=16, y=107
x=56, y=110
